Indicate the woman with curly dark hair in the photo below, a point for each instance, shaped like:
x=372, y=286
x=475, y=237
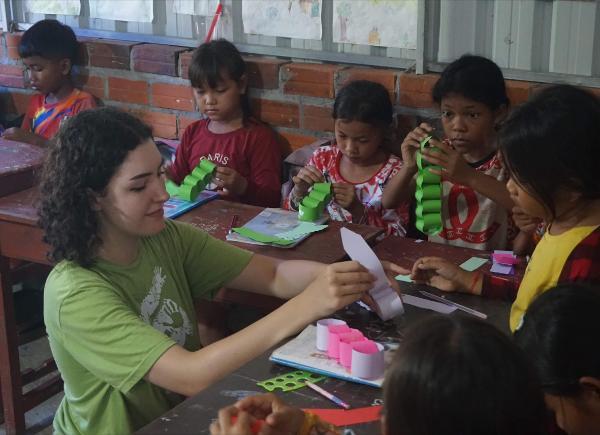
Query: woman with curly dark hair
x=118, y=305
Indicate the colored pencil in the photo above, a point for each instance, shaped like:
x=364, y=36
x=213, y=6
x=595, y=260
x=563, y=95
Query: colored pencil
x=328, y=395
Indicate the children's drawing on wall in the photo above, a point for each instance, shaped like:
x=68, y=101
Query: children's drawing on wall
x=128, y=10
x=56, y=7
x=204, y=8
x=387, y=23
x=291, y=18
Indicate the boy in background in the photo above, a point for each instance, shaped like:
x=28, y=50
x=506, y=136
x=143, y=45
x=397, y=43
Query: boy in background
x=48, y=50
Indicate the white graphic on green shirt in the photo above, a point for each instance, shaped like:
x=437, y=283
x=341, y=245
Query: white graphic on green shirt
x=170, y=319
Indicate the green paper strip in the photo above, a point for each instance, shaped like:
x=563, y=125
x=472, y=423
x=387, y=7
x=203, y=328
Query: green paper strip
x=308, y=213
x=404, y=278
x=189, y=192
x=473, y=263
x=260, y=237
x=208, y=166
x=319, y=196
x=301, y=230
x=311, y=202
x=428, y=194
x=172, y=188
x=290, y=381
x=322, y=187
x=201, y=175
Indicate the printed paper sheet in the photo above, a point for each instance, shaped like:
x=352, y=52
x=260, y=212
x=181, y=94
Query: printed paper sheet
x=195, y=7
x=387, y=23
x=57, y=7
x=286, y=18
x=127, y=10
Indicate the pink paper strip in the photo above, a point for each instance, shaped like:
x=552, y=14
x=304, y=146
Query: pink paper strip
x=506, y=259
x=323, y=332
x=333, y=347
x=346, y=341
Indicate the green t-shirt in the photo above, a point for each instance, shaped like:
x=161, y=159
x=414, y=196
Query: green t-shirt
x=109, y=324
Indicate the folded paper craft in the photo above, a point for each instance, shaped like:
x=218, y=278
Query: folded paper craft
x=428, y=193
x=312, y=206
x=193, y=183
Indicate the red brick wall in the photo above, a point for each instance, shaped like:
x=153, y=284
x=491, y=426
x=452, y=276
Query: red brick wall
x=296, y=98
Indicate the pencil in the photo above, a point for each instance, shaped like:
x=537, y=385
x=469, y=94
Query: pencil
x=328, y=395
x=233, y=223
x=452, y=303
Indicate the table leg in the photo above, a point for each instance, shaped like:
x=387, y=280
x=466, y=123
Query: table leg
x=10, y=371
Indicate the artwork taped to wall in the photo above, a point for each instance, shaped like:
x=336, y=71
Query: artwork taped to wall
x=55, y=7
x=386, y=23
x=128, y=10
x=195, y=7
x=286, y=18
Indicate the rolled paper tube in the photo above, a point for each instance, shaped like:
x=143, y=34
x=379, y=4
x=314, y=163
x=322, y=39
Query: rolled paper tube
x=323, y=332
x=319, y=196
x=191, y=180
x=310, y=202
x=333, y=345
x=207, y=165
x=432, y=227
x=432, y=191
x=189, y=192
x=199, y=173
x=322, y=187
x=346, y=341
x=428, y=207
x=308, y=214
x=425, y=177
x=367, y=360
x=387, y=303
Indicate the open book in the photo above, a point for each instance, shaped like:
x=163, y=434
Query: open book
x=302, y=353
x=176, y=207
x=275, y=227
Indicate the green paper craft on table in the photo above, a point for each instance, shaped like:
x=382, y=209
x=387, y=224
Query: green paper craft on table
x=312, y=206
x=194, y=183
x=290, y=381
x=428, y=194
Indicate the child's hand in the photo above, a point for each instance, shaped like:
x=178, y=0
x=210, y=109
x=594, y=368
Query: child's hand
x=454, y=166
x=19, y=135
x=227, y=425
x=279, y=417
x=444, y=275
x=344, y=195
x=229, y=179
x=525, y=222
x=306, y=177
x=338, y=285
x=412, y=142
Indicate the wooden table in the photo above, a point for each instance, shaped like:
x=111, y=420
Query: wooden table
x=194, y=415
x=20, y=238
x=19, y=163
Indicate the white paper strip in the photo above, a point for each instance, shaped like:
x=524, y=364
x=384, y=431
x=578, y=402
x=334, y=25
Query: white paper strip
x=387, y=300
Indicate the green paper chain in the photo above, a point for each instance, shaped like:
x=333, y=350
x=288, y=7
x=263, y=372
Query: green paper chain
x=194, y=183
x=312, y=206
x=428, y=194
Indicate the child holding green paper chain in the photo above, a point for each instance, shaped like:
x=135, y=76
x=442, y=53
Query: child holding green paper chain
x=475, y=202
x=550, y=147
x=356, y=164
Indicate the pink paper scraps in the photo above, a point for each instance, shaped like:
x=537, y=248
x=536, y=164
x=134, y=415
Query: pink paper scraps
x=362, y=357
x=342, y=417
x=387, y=302
x=503, y=262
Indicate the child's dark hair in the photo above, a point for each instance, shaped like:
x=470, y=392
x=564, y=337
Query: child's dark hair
x=560, y=334
x=457, y=375
x=553, y=142
x=474, y=77
x=49, y=39
x=213, y=59
x=86, y=153
x=364, y=101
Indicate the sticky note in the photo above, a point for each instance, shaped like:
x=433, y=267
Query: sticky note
x=473, y=263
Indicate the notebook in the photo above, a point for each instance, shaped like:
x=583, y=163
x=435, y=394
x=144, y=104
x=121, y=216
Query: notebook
x=176, y=207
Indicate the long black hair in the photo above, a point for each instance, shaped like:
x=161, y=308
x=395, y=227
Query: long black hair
x=560, y=335
x=213, y=59
x=457, y=375
x=86, y=153
x=553, y=142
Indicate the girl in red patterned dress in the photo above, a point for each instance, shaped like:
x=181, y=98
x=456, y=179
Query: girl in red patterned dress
x=356, y=164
